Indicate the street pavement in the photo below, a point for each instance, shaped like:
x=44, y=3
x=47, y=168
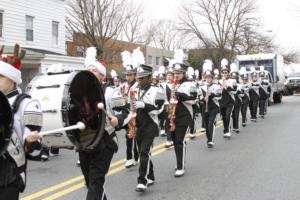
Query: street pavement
x=262, y=162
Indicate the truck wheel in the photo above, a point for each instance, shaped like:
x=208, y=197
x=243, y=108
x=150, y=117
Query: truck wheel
x=280, y=97
x=277, y=97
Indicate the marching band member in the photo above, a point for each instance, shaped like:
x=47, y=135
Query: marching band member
x=132, y=155
x=115, y=78
x=191, y=77
x=229, y=87
x=212, y=95
x=155, y=79
x=169, y=84
x=25, y=139
x=149, y=103
x=186, y=94
x=95, y=163
x=264, y=91
x=254, y=95
x=201, y=83
x=245, y=95
x=216, y=76
x=164, y=114
x=238, y=101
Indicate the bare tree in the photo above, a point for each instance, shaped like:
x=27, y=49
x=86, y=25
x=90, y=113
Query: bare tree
x=96, y=21
x=133, y=26
x=291, y=57
x=217, y=23
x=164, y=34
x=250, y=41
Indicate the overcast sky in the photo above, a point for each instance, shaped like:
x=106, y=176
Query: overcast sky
x=280, y=16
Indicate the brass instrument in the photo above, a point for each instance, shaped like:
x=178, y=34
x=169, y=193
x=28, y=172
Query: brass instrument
x=132, y=122
x=206, y=98
x=172, y=106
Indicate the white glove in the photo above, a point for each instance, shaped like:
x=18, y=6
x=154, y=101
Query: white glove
x=139, y=104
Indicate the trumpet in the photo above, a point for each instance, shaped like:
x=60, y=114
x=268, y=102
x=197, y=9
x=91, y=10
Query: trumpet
x=172, y=106
x=132, y=122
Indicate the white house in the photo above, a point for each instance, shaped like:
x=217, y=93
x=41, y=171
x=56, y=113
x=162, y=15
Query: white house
x=37, y=24
x=155, y=56
x=39, y=27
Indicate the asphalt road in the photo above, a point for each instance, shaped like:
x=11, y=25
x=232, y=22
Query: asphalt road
x=260, y=163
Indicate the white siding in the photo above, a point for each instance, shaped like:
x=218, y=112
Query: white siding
x=44, y=12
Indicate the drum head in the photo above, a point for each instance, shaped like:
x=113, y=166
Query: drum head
x=6, y=123
x=83, y=95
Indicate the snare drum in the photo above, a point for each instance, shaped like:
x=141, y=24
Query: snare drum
x=67, y=98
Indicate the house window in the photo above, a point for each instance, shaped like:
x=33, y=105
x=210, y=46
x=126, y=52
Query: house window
x=29, y=28
x=150, y=60
x=80, y=51
x=108, y=56
x=55, y=32
x=1, y=23
x=157, y=61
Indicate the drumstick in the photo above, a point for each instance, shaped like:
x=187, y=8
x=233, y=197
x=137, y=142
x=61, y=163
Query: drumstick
x=101, y=107
x=79, y=125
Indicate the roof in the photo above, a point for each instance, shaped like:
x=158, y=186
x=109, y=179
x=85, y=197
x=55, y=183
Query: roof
x=30, y=51
x=261, y=56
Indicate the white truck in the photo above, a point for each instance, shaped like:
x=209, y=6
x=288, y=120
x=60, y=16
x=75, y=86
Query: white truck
x=273, y=63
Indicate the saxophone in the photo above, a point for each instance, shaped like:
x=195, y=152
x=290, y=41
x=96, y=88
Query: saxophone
x=172, y=106
x=132, y=122
x=206, y=98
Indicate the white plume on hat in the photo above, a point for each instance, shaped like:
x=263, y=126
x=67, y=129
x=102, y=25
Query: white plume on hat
x=243, y=71
x=113, y=74
x=155, y=74
x=262, y=68
x=224, y=62
x=197, y=73
x=216, y=72
x=179, y=56
x=253, y=70
x=190, y=71
x=234, y=68
x=126, y=59
x=137, y=57
x=207, y=66
x=162, y=70
x=91, y=54
x=91, y=60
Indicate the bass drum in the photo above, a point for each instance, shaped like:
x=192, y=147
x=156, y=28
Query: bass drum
x=6, y=123
x=67, y=98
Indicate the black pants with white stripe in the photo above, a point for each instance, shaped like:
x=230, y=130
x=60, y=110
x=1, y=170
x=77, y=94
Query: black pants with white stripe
x=202, y=108
x=210, y=124
x=94, y=166
x=244, y=107
x=262, y=106
x=236, y=116
x=180, y=145
x=253, y=104
x=192, y=125
x=131, y=148
x=146, y=167
x=226, y=112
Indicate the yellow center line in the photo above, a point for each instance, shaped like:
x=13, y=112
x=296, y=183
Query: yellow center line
x=111, y=172
x=156, y=150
